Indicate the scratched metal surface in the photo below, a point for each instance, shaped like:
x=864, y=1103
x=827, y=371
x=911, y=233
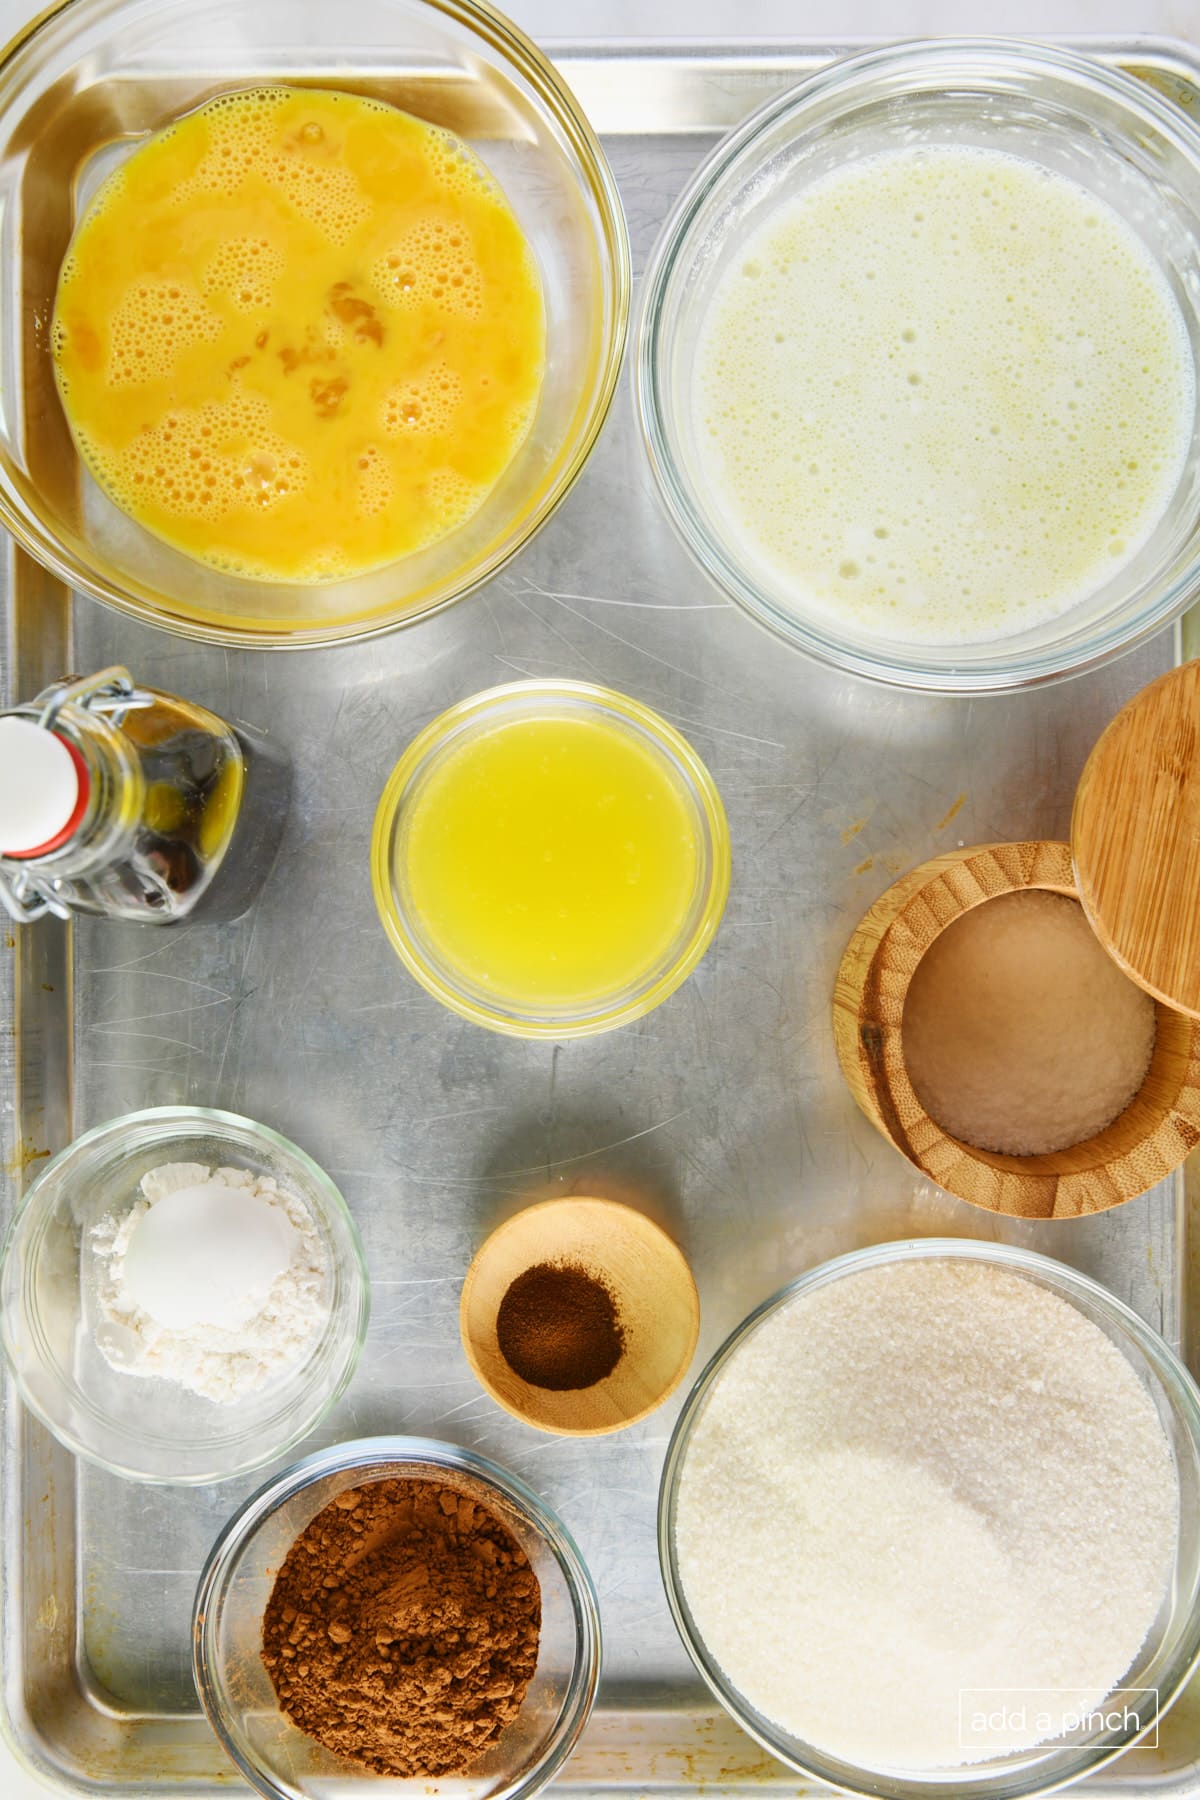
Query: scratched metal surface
x=723, y=1113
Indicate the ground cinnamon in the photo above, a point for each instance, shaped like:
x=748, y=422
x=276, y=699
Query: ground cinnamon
x=402, y=1630
x=558, y=1327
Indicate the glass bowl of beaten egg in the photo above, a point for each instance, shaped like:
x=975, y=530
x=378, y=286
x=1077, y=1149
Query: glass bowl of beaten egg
x=280, y=1760
x=794, y=1354
x=917, y=364
x=349, y=396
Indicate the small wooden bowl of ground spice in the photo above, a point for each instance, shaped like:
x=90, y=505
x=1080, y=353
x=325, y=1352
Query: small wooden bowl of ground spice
x=396, y=1608
x=579, y=1316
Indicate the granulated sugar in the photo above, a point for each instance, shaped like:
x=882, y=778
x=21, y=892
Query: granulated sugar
x=1020, y=1033
x=920, y=1480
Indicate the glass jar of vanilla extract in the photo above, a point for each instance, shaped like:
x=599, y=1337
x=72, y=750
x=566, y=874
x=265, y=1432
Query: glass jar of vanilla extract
x=120, y=800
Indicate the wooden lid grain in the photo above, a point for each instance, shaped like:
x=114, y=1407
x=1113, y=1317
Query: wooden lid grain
x=1135, y=839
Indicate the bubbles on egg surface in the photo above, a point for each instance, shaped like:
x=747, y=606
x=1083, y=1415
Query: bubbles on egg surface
x=245, y=270
x=985, y=418
x=432, y=262
x=450, y=499
x=425, y=406
x=374, y=489
x=156, y=319
x=254, y=139
x=206, y=461
x=458, y=168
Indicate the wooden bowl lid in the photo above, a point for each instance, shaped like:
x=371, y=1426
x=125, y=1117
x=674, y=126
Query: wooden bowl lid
x=1135, y=839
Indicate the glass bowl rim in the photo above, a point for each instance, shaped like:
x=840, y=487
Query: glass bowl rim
x=352, y=1274
x=385, y=1452
x=673, y=749
x=850, y=79
x=1012, y=1783
x=519, y=51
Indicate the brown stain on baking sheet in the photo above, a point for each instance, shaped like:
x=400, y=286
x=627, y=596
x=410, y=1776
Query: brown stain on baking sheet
x=25, y=1154
x=959, y=803
x=852, y=831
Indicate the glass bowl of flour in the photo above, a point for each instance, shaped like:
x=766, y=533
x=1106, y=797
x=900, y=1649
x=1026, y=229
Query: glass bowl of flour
x=930, y=1523
x=183, y=1295
x=917, y=364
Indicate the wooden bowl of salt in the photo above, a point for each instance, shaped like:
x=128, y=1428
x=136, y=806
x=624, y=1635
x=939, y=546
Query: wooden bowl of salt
x=579, y=1316
x=1100, y=1097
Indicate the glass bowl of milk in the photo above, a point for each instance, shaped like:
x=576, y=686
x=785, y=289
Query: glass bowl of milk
x=917, y=364
x=183, y=1295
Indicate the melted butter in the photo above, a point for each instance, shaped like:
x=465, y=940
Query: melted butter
x=551, y=861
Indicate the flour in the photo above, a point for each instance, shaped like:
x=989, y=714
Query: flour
x=215, y=1361
x=921, y=1480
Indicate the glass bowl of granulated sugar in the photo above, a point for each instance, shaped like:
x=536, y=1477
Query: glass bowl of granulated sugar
x=930, y=1523
x=183, y=1295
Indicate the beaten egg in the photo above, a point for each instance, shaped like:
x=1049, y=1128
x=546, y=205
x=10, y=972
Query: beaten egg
x=299, y=335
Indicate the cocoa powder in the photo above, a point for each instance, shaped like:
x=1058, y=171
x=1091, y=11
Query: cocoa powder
x=402, y=1630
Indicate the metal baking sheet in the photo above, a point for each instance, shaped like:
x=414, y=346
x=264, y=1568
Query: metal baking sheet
x=723, y=1113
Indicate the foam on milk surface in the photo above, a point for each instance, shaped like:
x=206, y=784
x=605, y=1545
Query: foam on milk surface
x=944, y=394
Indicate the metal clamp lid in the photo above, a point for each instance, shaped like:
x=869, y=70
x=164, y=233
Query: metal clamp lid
x=111, y=693
x=25, y=892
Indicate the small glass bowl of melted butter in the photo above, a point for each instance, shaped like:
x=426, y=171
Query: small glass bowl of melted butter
x=311, y=354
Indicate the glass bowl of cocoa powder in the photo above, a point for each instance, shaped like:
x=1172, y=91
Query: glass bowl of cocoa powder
x=401, y=1612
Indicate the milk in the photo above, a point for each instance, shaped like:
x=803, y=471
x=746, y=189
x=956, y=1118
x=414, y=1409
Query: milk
x=943, y=394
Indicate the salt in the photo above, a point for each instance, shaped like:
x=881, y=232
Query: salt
x=920, y=1482
x=1020, y=1034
